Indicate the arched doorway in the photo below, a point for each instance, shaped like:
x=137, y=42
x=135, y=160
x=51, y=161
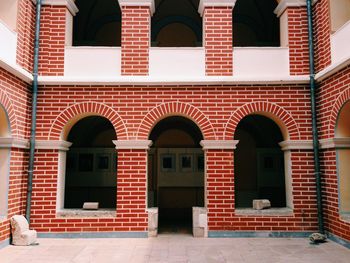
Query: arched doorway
x=259, y=162
x=91, y=164
x=175, y=173
x=342, y=132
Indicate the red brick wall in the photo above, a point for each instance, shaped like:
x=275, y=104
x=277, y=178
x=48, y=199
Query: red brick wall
x=52, y=40
x=298, y=40
x=25, y=31
x=217, y=23
x=135, y=40
x=322, y=31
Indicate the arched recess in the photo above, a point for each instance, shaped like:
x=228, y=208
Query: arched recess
x=91, y=168
x=175, y=172
x=259, y=171
x=339, y=13
x=10, y=113
x=334, y=112
x=172, y=109
x=255, y=24
x=5, y=151
x=64, y=122
x=176, y=24
x=280, y=116
x=342, y=132
x=98, y=23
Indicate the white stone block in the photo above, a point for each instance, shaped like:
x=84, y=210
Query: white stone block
x=152, y=221
x=260, y=204
x=90, y=205
x=21, y=234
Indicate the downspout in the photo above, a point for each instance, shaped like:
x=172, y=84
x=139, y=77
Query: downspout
x=314, y=119
x=34, y=109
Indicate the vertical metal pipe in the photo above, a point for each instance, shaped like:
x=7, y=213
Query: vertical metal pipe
x=34, y=109
x=314, y=118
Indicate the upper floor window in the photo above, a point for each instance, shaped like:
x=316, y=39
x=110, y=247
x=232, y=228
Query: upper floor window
x=339, y=12
x=255, y=24
x=176, y=24
x=98, y=23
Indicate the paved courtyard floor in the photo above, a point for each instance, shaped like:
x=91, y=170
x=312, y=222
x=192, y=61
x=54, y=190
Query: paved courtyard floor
x=177, y=248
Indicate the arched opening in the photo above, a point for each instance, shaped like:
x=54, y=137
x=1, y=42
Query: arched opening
x=175, y=172
x=339, y=13
x=255, y=24
x=4, y=162
x=91, y=169
x=259, y=162
x=98, y=23
x=176, y=24
x=343, y=159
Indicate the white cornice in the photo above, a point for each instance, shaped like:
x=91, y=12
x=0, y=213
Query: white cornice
x=338, y=143
x=52, y=145
x=296, y=145
x=73, y=9
x=284, y=4
x=332, y=69
x=149, y=3
x=17, y=71
x=219, y=145
x=168, y=81
x=213, y=3
x=9, y=142
x=132, y=144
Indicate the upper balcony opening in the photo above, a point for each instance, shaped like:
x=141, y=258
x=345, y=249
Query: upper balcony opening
x=98, y=23
x=176, y=24
x=339, y=12
x=255, y=24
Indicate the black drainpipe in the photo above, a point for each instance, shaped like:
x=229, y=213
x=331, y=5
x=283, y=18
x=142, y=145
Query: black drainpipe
x=34, y=109
x=314, y=119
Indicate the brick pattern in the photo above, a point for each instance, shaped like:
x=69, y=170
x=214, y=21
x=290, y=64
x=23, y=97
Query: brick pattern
x=25, y=33
x=218, y=41
x=52, y=40
x=135, y=40
x=298, y=40
x=322, y=31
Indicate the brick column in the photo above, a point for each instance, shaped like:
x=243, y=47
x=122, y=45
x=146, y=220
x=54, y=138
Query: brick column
x=294, y=34
x=132, y=184
x=220, y=200
x=136, y=24
x=217, y=27
x=55, y=18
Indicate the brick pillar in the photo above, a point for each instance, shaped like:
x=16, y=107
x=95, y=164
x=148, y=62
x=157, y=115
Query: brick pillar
x=294, y=34
x=220, y=200
x=132, y=184
x=136, y=24
x=217, y=24
x=25, y=33
x=55, y=18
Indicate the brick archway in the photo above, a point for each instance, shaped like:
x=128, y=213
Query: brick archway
x=334, y=113
x=80, y=110
x=7, y=105
x=171, y=109
x=283, y=119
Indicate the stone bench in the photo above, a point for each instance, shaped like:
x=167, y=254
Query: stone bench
x=21, y=234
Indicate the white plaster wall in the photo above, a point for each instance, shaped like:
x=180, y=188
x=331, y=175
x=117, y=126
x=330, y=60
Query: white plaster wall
x=340, y=13
x=92, y=61
x=4, y=177
x=261, y=61
x=8, y=13
x=8, y=44
x=284, y=30
x=189, y=62
x=340, y=48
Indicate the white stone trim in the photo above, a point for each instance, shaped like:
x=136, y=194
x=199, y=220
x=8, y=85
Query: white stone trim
x=332, y=69
x=296, y=145
x=17, y=71
x=9, y=142
x=284, y=4
x=219, y=145
x=338, y=143
x=167, y=80
x=53, y=145
x=205, y=3
x=73, y=9
x=132, y=144
x=149, y=3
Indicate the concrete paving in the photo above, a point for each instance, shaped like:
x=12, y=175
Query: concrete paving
x=176, y=248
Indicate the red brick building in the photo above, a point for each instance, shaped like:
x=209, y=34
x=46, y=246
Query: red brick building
x=151, y=108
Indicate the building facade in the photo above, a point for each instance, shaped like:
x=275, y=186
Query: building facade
x=175, y=111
